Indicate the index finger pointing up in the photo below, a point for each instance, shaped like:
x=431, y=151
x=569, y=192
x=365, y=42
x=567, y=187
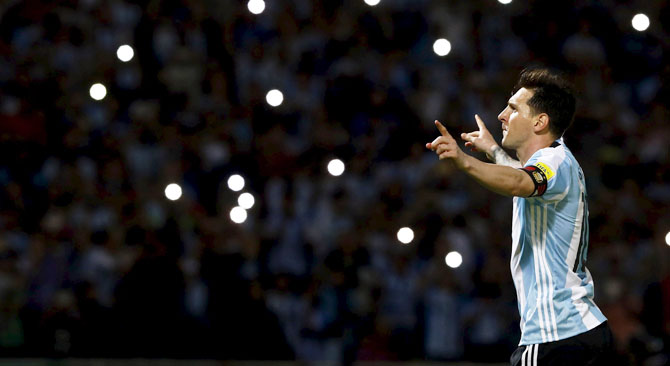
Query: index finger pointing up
x=480, y=123
x=442, y=129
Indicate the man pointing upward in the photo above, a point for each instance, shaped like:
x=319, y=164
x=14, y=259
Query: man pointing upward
x=560, y=322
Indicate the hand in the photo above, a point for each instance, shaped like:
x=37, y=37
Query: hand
x=446, y=147
x=481, y=140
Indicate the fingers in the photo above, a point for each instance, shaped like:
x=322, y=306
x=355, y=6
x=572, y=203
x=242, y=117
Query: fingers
x=440, y=145
x=480, y=123
x=433, y=145
x=442, y=129
x=440, y=140
x=470, y=137
x=445, y=148
x=446, y=155
x=471, y=146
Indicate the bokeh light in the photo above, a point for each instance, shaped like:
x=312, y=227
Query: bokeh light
x=336, y=167
x=238, y=215
x=236, y=182
x=173, y=191
x=405, y=235
x=246, y=200
x=98, y=91
x=640, y=22
x=274, y=97
x=504, y=2
x=667, y=238
x=256, y=6
x=125, y=53
x=442, y=47
x=372, y=2
x=453, y=259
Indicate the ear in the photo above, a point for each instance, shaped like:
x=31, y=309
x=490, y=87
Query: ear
x=541, y=122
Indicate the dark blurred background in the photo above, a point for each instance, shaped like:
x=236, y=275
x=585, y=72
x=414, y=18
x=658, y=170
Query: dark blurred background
x=96, y=262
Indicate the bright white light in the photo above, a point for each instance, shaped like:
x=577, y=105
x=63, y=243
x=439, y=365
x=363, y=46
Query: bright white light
x=98, y=91
x=125, y=53
x=246, y=200
x=667, y=238
x=504, y=2
x=453, y=259
x=235, y=182
x=372, y=2
x=274, y=97
x=238, y=215
x=442, y=47
x=256, y=6
x=173, y=191
x=640, y=22
x=336, y=167
x=405, y=235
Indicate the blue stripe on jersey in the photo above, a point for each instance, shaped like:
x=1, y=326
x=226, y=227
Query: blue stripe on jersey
x=549, y=247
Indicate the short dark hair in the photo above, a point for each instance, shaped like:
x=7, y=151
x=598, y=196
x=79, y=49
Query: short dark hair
x=552, y=94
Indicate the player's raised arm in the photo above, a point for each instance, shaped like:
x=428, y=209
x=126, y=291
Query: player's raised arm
x=501, y=179
x=482, y=140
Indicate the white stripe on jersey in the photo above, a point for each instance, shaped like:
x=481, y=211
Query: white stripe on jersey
x=545, y=276
x=538, y=281
x=550, y=278
x=515, y=266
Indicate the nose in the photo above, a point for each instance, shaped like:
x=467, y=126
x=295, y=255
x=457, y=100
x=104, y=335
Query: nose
x=502, y=117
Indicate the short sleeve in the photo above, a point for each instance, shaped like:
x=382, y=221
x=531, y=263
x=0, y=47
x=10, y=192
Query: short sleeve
x=548, y=170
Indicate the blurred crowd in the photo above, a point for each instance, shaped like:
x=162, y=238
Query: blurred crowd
x=96, y=262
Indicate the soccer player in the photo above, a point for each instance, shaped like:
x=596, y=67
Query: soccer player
x=560, y=322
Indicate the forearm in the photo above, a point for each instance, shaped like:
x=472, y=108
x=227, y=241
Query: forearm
x=501, y=179
x=500, y=157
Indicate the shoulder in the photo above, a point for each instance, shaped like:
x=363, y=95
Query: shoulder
x=556, y=153
x=551, y=159
x=557, y=167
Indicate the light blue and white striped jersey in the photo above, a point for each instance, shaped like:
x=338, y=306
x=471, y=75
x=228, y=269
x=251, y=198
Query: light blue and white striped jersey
x=549, y=246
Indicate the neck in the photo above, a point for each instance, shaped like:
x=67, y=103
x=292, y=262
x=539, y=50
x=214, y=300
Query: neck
x=525, y=152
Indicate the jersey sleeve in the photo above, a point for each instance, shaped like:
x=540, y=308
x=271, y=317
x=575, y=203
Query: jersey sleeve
x=549, y=173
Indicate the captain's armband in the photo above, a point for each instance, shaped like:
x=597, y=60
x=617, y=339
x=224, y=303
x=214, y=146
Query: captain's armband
x=539, y=179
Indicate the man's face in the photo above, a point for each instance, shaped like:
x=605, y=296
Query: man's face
x=516, y=118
